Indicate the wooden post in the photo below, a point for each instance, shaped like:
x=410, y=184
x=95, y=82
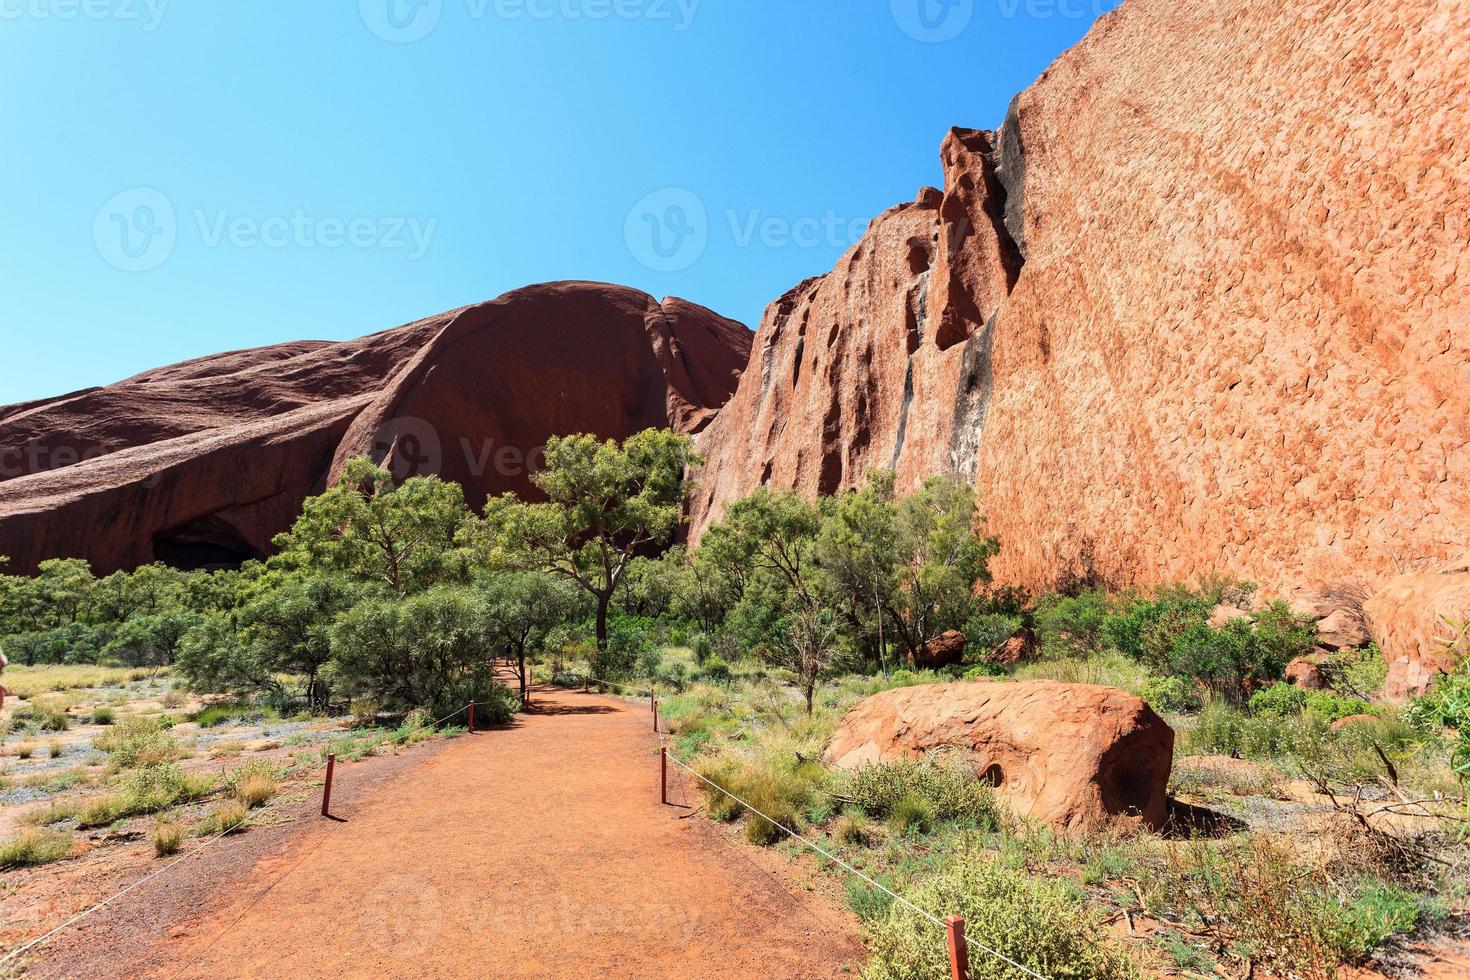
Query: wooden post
x=655, y=716
x=472, y=717
x=663, y=773
x=959, y=952
x=327, y=787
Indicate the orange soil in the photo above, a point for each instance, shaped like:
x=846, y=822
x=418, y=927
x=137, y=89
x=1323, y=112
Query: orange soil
x=538, y=850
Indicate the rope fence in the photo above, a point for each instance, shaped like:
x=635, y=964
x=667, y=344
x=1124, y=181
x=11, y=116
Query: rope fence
x=214, y=839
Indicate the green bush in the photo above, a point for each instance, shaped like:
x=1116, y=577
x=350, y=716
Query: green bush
x=947, y=791
x=1173, y=694
x=1278, y=701
x=716, y=671
x=31, y=847
x=1217, y=731
x=1071, y=625
x=1354, y=928
x=1039, y=922
x=103, y=716
x=1332, y=707
x=701, y=647
x=44, y=716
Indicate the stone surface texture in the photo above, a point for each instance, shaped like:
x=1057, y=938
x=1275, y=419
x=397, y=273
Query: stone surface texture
x=1200, y=305
x=204, y=462
x=1071, y=755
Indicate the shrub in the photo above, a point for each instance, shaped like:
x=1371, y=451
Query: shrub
x=1173, y=694
x=1332, y=707
x=912, y=814
x=701, y=647
x=1071, y=625
x=986, y=631
x=716, y=671
x=226, y=818
x=103, y=716
x=44, y=716
x=25, y=750
x=1356, y=927
x=867, y=903
x=137, y=742
x=255, y=791
x=947, y=791
x=851, y=828
x=1278, y=701
x=1217, y=731
x=782, y=791
x=166, y=836
x=55, y=750
x=31, y=847
x=1039, y=922
x=55, y=813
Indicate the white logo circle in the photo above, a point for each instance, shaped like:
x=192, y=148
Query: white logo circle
x=409, y=447
x=933, y=21
x=668, y=230
x=136, y=230
x=401, y=21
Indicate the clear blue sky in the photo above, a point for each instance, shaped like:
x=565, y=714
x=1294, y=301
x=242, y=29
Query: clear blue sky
x=186, y=176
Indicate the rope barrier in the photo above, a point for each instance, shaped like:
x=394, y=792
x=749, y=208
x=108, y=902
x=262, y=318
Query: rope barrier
x=640, y=691
x=26, y=947
x=925, y=913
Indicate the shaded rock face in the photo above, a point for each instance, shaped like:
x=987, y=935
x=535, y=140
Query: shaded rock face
x=202, y=463
x=1221, y=325
x=941, y=651
x=1071, y=755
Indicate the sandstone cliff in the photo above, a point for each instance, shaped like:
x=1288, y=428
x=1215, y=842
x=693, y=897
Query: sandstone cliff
x=1201, y=304
x=204, y=462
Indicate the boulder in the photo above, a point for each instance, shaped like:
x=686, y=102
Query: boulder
x=202, y=463
x=1413, y=619
x=1306, y=674
x=1220, y=616
x=1020, y=647
x=943, y=650
x=1342, y=629
x=1352, y=720
x=1070, y=755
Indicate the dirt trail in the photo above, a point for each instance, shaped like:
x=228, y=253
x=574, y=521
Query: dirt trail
x=540, y=850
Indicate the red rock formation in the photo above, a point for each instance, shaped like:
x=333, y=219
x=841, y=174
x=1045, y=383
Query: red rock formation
x=1422, y=623
x=206, y=461
x=944, y=650
x=1221, y=325
x=1071, y=755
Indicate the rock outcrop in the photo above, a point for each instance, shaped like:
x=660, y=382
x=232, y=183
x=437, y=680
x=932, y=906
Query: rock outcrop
x=944, y=650
x=1422, y=623
x=203, y=463
x=1200, y=305
x=1071, y=755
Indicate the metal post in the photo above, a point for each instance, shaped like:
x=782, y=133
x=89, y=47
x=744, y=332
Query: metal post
x=327, y=786
x=472, y=716
x=959, y=952
x=663, y=773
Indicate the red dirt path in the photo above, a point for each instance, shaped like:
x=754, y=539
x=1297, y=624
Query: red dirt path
x=540, y=850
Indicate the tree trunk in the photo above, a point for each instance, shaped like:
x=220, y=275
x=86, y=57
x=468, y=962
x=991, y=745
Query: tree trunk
x=811, y=693
x=521, y=671
x=603, y=599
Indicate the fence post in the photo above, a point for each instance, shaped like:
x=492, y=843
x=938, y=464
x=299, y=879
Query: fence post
x=472, y=718
x=655, y=714
x=959, y=953
x=327, y=786
x=663, y=773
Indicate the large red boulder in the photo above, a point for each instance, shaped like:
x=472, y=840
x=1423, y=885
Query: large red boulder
x=941, y=651
x=1070, y=755
x=1421, y=621
x=204, y=462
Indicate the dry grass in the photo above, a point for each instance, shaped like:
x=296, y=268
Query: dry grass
x=255, y=790
x=228, y=817
x=167, y=835
x=28, y=682
x=33, y=846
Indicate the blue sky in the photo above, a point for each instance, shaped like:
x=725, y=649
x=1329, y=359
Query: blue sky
x=181, y=177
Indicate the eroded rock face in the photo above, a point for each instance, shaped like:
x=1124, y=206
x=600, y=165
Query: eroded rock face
x=1420, y=622
x=203, y=463
x=941, y=651
x=1071, y=755
x=1221, y=325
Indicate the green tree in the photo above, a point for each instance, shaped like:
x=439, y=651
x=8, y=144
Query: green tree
x=860, y=547
x=521, y=609
x=288, y=624
x=151, y=640
x=606, y=504
x=369, y=527
x=431, y=650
